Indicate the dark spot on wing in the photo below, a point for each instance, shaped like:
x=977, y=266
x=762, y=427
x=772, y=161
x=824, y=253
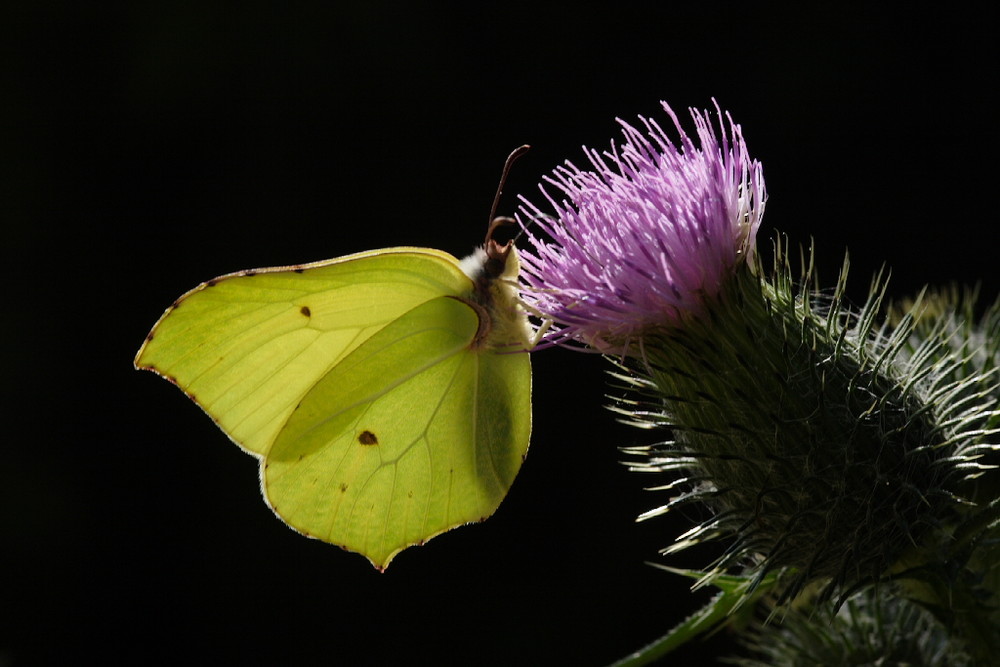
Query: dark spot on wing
x=212, y=283
x=343, y=487
x=367, y=438
x=298, y=269
x=305, y=311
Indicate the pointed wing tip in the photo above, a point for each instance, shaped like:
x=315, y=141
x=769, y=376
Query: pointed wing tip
x=382, y=564
x=140, y=365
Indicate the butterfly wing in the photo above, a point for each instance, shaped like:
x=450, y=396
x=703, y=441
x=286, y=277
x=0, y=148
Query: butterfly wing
x=247, y=346
x=378, y=422
x=412, y=434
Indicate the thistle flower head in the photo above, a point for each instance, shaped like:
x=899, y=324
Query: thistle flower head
x=642, y=241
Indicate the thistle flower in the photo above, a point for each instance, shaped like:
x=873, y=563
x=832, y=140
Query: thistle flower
x=824, y=448
x=642, y=242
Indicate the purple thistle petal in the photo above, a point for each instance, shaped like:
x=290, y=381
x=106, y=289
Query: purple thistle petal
x=639, y=243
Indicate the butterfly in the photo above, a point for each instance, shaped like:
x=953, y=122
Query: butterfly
x=387, y=394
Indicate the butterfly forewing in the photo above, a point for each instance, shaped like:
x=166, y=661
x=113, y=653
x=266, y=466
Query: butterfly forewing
x=247, y=347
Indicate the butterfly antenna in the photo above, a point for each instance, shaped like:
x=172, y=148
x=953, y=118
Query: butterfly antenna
x=516, y=153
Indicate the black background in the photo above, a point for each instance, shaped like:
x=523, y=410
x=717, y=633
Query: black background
x=150, y=146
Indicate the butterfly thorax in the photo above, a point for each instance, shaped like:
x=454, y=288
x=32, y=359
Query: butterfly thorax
x=503, y=323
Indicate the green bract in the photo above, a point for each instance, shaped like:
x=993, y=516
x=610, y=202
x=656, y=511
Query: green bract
x=827, y=445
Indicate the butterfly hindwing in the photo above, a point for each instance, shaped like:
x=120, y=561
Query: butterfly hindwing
x=377, y=456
